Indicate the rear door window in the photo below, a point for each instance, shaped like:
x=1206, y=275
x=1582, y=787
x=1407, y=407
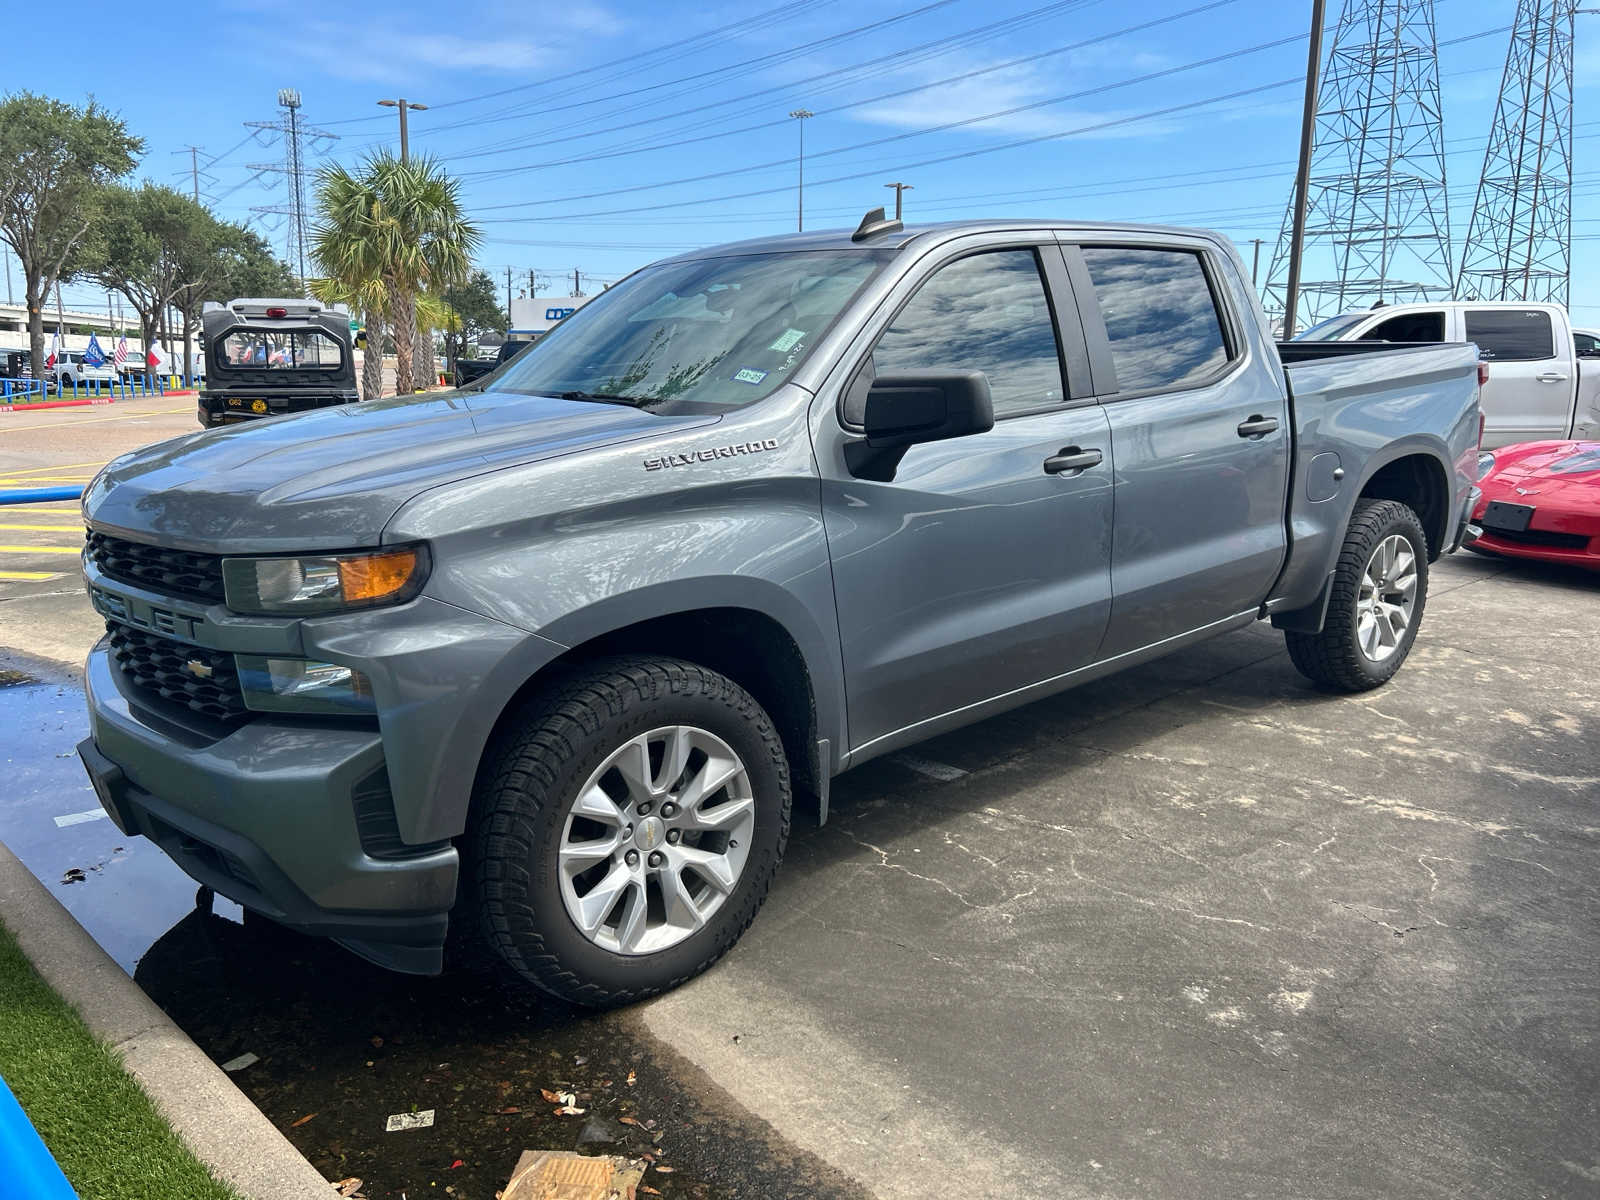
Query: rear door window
x=1161, y=318
x=1511, y=334
x=1408, y=327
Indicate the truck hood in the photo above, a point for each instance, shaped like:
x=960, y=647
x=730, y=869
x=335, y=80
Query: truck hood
x=332, y=479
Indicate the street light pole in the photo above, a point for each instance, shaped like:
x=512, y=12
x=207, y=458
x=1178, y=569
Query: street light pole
x=1302, y=176
x=802, y=115
x=404, y=105
x=898, y=189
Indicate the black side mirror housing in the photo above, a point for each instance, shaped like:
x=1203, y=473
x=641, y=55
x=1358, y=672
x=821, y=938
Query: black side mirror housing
x=907, y=408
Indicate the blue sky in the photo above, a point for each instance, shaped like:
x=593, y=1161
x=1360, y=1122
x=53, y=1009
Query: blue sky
x=600, y=134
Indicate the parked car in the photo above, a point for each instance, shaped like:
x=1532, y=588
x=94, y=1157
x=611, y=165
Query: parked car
x=550, y=662
x=267, y=357
x=14, y=369
x=1535, y=388
x=71, y=371
x=1542, y=500
x=471, y=370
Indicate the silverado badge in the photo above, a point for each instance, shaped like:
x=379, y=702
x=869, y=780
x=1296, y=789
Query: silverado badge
x=694, y=456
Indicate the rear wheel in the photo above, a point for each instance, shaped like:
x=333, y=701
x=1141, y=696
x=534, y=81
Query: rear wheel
x=628, y=830
x=1379, y=589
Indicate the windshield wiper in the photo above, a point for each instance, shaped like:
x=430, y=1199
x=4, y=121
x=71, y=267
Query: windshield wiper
x=607, y=398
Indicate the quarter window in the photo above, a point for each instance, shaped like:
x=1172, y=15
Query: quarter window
x=1511, y=334
x=987, y=312
x=1160, y=316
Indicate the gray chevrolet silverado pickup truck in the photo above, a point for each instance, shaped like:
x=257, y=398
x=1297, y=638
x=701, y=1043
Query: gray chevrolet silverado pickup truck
x=551, y=662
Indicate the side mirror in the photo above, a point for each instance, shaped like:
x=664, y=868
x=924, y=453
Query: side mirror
x=907, y=408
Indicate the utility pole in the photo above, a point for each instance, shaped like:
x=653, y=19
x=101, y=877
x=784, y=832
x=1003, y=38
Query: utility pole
x=194, y=168
x=802, y=115
x=404, y=105
x=577, y=288
x=1255, y=264
x=508, y=294
x=292, y=130
x=533, y=287
x=898, y=188
x=1302, y=175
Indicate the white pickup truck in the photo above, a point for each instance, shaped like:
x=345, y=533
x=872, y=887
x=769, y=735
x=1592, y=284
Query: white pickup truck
x=1544, y=384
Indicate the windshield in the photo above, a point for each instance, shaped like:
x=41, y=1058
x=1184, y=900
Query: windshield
x=1329, y=330
x=708, y=335
x=277, y=349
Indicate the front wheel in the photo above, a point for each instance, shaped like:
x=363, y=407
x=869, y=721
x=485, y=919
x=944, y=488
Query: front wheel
x=627, y=830
x=1379, y=589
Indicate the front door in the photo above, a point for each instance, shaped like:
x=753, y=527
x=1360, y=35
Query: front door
x=977, y=570
x=1200, y=434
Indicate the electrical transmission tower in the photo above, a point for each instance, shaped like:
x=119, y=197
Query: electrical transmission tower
x=1378, y=226
x=1519, y=241
x=294, y=133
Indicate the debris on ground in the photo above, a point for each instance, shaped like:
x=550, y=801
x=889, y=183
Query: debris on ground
x=398, y=1122
x=74, y=875
x=563, y=1175
x=348, y=1188
x=301, y=1121
x=244, y=1060
x=567, y=1103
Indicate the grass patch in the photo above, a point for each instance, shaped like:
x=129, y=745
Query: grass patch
x=102, y=1129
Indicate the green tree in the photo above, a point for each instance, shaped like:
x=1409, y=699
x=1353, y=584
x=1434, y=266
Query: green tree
x=54, y=158
x=149, y=243
x=475, y=306
x=398, y=224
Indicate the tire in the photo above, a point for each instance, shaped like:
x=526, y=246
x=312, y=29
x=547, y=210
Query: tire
x=1344, y=656
x=525, y=840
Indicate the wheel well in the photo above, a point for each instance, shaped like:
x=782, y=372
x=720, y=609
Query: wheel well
x=748, y=647
x=1419, y=481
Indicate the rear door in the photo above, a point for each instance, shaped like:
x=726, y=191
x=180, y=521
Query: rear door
x=981, y=567
x=1532, y=373
x=1200, y=435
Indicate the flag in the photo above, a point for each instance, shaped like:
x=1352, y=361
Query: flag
x=55, y=345
x=155, y=357
x=92, y=355
x=121, y=355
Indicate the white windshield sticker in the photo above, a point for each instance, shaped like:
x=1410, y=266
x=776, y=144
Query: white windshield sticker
x=749, y=375
x=788, y=341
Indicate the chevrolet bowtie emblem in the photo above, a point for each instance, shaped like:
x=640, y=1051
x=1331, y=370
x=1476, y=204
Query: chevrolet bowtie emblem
x=199, y=668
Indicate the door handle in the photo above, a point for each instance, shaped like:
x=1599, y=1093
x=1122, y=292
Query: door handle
x=1072, y=458
x=1551, y=377
x=1257, y=426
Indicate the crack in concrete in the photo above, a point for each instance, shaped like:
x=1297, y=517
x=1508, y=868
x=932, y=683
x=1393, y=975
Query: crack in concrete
x=1148, y=902
x=1394, y=929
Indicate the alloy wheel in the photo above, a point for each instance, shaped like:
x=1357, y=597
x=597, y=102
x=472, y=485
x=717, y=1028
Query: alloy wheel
x=1387, y=598
x=656, y=840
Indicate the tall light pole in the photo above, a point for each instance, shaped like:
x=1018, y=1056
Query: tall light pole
x=404, y=105
x=802, y=115
x=1302, y=175
x=898, y=189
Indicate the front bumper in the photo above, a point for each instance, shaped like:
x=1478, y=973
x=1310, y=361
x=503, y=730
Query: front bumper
x=267, y=815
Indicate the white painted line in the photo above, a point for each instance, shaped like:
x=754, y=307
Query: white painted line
x=78, y=818
x=943, y=772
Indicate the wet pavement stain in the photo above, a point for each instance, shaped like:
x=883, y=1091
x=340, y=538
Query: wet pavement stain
x=348, y=1045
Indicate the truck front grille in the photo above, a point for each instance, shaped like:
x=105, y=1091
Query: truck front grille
x=170, y=572
x=204, y=681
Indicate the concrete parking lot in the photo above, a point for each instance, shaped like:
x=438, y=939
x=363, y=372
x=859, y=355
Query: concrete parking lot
x=1197, y=930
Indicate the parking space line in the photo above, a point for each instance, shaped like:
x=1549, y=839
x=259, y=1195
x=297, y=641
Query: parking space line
x=79, y=818
x=37, y=528
x=943, y=772
x=29, y=576
x=41, y=549
x=21, y=511
x=133, y=416
x=57, y=467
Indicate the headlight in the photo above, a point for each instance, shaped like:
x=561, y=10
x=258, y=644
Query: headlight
x=294, y=685
x=325, y=583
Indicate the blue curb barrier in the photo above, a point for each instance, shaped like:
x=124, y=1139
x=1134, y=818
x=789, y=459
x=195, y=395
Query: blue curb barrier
x=39, y=495
x=26, y=1167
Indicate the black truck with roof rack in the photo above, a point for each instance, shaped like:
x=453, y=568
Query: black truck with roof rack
x=268, y=357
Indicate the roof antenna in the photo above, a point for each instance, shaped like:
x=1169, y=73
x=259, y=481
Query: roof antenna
x=874, y=223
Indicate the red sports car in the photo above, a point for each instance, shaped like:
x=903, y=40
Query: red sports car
x=1542, y=500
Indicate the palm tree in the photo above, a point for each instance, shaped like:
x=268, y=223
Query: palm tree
x=346, y=245
x=394, y=231
x=429, y=246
